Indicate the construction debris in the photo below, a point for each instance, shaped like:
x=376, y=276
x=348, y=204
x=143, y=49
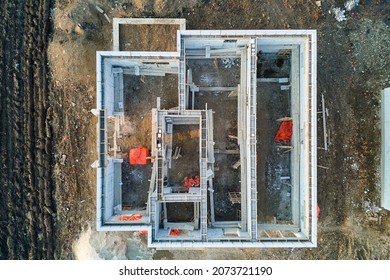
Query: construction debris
x=174, y=232
x=284, y=132
x=191, y=182
x=177, y=154
x=325, y=114
x=62, y=160
x=318, y=211
x=139, y=155
x=339, y=14
x=132, y=217
x=234, y=197
x=107, y=18
x=230, y=62
x=350, y=4
x=236, y=165
x=369, y=207
x=100, y=10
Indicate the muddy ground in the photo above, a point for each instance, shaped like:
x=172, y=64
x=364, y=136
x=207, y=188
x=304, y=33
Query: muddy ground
x=28, y=220
x=47, y=134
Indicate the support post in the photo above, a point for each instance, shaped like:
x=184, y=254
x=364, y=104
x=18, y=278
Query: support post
x=165, y=213
x=196, y=214
x=324, y=123
x=211, y=194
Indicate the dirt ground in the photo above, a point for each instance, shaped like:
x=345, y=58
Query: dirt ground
x=151, y=37
x=47, y=133
x=28, y=220
x=274, y=200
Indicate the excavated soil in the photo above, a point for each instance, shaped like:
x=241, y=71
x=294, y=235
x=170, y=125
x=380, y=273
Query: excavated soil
x=47, y=133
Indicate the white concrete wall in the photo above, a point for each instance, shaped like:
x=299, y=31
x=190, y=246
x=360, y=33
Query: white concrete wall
x=313, y=132
x=99, y=181
x=197, y=43
x=99, y=80
x=304, y=135
x=109, y=190
x=181, y=22
x=108, y=88
x=385, y=148
x=229, y=244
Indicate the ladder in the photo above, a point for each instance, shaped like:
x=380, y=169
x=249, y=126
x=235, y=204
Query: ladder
x=160, y=157
x=203, y=176
x=102, y=138
x=182, y=79
x=312, y=127
x=152, y=217
x=252, y=139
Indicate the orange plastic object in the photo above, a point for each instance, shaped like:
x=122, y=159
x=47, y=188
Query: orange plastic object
x=139, y=156
x=191, y=182
x=318, y=211
x=174, y=232
x=133, y=217
x=284, y=132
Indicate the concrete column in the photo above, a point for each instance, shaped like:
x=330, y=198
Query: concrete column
x=196, y=214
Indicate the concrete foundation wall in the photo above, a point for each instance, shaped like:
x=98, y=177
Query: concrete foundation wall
x=240, y=43
x=99, y=201
x=385, y=150
x=109, y=190
x=312, y=55
x=143, y=21
x=108, y=88
x=215, y=43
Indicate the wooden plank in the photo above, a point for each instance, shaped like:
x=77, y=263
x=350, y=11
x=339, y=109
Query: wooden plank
x=236, y=165
x=284, y=119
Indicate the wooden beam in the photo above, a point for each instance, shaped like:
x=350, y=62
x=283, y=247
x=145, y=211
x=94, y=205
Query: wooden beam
x=284, y=119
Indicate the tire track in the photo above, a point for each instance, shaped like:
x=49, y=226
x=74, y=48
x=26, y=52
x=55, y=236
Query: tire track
x=27, y=198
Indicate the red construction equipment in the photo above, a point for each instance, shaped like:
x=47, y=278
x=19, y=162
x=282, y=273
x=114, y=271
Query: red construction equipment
x=284, y=132
x=190, y=182
x=139, y=155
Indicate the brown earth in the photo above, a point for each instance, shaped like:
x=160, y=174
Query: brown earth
x=47, y=134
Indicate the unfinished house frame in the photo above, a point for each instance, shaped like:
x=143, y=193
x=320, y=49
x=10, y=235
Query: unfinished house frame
x=232, y=90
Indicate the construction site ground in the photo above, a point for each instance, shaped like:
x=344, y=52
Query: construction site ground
x=48, y=135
